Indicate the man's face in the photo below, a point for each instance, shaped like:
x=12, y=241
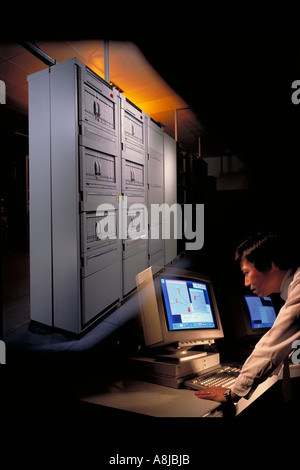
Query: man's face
x=259, y=282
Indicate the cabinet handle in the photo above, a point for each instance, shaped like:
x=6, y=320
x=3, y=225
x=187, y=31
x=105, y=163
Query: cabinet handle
x=97, y=110
x=132, y=176
x=98, y=230
x=97, y=168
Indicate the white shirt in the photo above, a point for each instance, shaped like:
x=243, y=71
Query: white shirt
x=276, y=344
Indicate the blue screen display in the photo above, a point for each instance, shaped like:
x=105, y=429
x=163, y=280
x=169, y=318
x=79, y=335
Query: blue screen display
x=261, y=311
x=187, y=304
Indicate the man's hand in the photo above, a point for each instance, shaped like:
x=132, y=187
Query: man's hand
x=213, y=393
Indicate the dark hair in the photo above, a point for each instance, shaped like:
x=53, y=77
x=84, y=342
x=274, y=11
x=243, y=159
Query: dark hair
x=263, y=248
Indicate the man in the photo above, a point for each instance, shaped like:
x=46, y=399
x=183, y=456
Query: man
x=268, y=269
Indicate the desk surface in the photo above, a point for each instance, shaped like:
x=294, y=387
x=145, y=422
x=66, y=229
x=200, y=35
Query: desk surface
x=151, y=399
x=164, y=402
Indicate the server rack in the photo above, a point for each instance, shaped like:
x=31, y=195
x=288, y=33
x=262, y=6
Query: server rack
x=155, y=171
x=100, y=182
x=96, y=166
x=134, y=144
x=74, y=137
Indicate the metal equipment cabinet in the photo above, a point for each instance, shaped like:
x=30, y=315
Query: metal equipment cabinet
x=134, y=176
x=155, y=172
x=75, y=182
x=96, y=165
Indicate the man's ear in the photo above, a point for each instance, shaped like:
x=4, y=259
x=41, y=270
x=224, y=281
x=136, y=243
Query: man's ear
x=273, y=267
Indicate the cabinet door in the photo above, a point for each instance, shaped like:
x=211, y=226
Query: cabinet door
x=99, y=113
x=137, y=222
x=155, y=171
x=99, y=228
x=99, y=178
x=134, y=262
x=98, y=109
x=155, y=140
x=134, y=216
x=133, y=132
x=99, y=259
x=98, y=169
x=133, y=176
x=100, y=291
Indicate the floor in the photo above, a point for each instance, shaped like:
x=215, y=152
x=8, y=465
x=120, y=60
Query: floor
x=16, y=293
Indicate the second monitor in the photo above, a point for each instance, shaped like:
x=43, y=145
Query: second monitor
x=261, y=312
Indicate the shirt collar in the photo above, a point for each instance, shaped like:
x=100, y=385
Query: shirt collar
x=285, y=284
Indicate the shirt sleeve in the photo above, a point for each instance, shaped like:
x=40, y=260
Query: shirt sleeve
x=274, y=346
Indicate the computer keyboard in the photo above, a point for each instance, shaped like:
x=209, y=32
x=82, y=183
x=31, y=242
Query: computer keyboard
x=225, y=376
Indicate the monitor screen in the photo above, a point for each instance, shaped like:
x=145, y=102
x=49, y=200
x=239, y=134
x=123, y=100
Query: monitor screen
x=187, y=304
x=261, y=311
